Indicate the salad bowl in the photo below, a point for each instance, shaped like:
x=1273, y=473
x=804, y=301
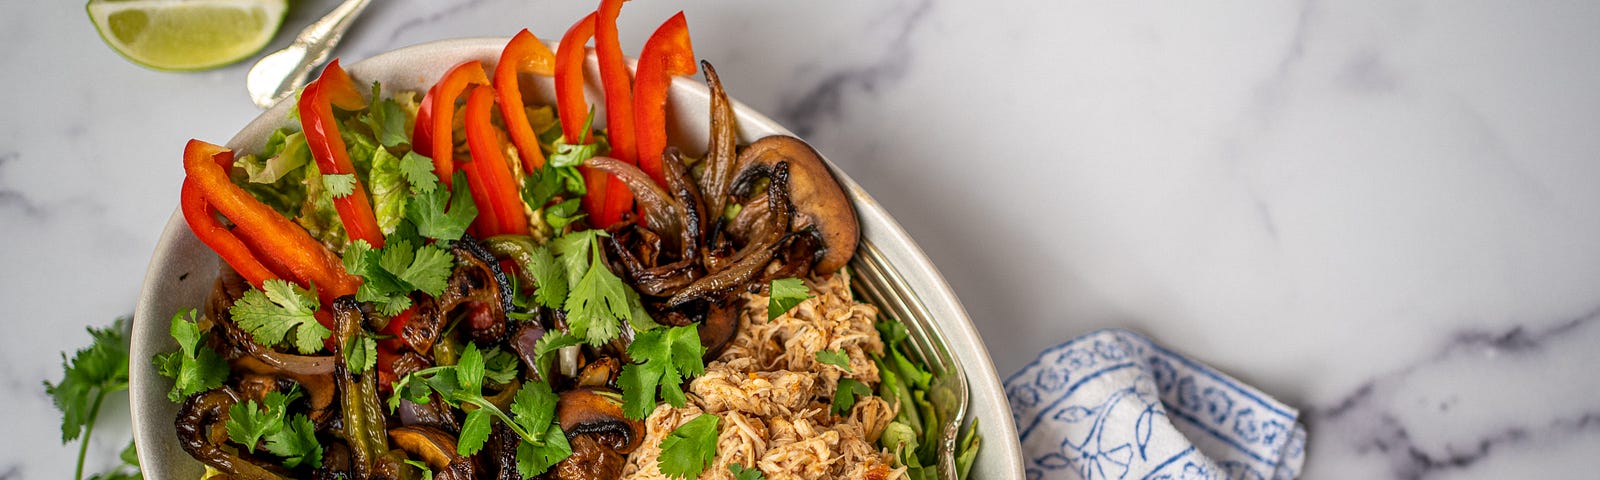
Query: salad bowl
x=892, y=271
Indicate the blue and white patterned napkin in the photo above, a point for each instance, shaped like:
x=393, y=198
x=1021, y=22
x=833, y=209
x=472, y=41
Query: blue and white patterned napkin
x=1114, y=405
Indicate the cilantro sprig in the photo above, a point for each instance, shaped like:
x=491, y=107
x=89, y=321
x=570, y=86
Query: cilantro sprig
x=280, y=313
x=597, y=300
x=837, y=358
x=194, y=367
x=741, y=473
x=844, y=398
x=294, y=438
x=667, y=356
x=532, y=415
x=689, y=448
x=92, y=374
x=390, y=274
x=785, y=294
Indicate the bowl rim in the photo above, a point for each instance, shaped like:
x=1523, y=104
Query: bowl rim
x=999, y=457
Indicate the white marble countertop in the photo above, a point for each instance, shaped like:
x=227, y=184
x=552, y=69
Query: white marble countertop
x=1384, y=213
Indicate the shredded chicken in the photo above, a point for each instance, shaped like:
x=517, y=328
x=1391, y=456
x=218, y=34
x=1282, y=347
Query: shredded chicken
x=773, y=397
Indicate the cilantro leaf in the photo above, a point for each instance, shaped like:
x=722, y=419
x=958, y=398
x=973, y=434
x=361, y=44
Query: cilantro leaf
x=500, y=366
x=272, y=315
x=248, y=422
x=844, y=398
x=836, y=358
x=551, y=278
x=596, y=299
x=362, y=354
x=541, y=186
x=562, y=214
x=429, y=270
x=534, y=407
x=741, y=473
x=441, y=214
x=391, y=273
x=595, y=303
x=548, y=345
x=387, y=119
x=296, y=443
x=572, y=154
x=533, y=459
x=667, y=356
x=418, y=171
x=469, y=369
x=356, y=257
x=387, y=188
x=786, y=293
x=689, y=448
x=427, y=473
x=91, y=374
x=194, y=368
x=339, y=184
x=474, y=432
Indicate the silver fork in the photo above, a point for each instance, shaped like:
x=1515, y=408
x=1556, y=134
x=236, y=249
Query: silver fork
x=881, y=285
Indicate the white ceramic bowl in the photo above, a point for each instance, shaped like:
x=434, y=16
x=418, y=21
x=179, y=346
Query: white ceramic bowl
x=182, y=269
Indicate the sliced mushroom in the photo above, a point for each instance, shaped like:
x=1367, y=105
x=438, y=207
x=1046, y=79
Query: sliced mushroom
x=590, y=459
x=662, y=211
x=320, y=389
x=818, y=199
x=585, y=411
x=751, y=261
x=499, y=456
x=718, y=329
x=434, y=447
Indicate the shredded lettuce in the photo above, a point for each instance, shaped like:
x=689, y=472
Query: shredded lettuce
x=388, y=189
x=275, y=181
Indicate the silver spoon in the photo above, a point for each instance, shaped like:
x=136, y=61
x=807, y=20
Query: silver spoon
x=281, y=73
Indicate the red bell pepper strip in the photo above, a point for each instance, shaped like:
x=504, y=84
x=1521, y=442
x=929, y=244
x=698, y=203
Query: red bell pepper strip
x=443, y=113
x=667, y=53
x=619, y=106
x=327, y=147
x=490, y=176
x=572, y=107
x=210, y=231
x=257, y=226
x=524, y=53
x=422, y=130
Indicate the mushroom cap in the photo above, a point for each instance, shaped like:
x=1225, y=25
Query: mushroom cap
x=585, y=411
x=818, y=199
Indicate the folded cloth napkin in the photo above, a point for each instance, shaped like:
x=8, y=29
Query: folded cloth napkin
x=1114, y=405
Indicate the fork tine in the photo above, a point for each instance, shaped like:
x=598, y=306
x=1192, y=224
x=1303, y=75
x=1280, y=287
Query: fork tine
x=876, y=280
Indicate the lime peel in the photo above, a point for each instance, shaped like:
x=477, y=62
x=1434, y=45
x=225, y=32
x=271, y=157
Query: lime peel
x=186, y=35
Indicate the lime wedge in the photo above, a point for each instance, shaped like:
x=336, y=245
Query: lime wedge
x=186, y=34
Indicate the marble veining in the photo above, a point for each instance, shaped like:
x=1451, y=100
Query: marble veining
x=1383, y=213
x=817, y=104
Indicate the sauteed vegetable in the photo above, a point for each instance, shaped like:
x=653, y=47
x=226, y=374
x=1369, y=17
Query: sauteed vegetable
x=463, y=285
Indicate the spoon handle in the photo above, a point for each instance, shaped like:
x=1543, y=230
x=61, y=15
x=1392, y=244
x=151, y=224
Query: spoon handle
x=313, y=47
